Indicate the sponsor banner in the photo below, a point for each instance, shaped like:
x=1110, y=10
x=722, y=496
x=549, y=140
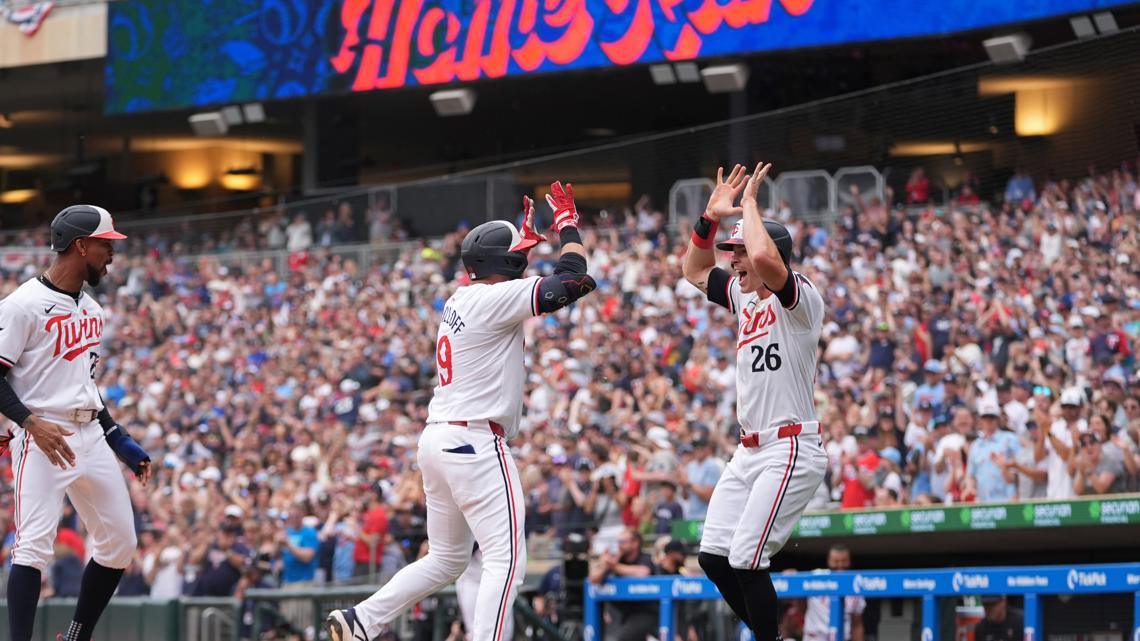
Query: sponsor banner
x=962, y=518
x=166, y=54
x=1086, y=579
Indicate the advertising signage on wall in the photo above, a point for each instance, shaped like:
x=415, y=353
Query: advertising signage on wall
x=166, y=54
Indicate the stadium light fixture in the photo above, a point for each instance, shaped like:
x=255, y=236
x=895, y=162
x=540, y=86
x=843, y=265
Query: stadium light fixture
x=1082, y=27
x=1105, y=23
x=453, y=102
x=725, y=78
x=662, y=75
x=254, y=112
x=232, y=115
x=209, y=124
x=687, y=72
x=1009, y=49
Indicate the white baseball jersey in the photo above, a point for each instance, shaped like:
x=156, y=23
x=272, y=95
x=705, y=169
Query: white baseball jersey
x=479, y=353
x=817, y=619
x=776, y=351
x=51, y=343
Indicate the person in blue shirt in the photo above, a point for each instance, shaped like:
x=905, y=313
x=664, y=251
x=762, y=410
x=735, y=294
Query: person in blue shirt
x=932, y=389
x=986, y=468
x=698, y=478
x=299, y=545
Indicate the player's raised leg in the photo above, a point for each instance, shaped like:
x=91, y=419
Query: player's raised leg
x=495, y=509
x=726, y=504
x=100, y=497
x=39, y=487
x=449, y=550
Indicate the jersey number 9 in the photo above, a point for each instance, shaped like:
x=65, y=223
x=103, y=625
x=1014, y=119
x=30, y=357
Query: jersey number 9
x=443, y=359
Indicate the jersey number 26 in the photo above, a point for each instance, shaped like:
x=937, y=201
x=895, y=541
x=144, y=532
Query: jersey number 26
x=766, y=359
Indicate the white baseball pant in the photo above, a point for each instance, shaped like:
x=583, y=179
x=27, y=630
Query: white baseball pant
x=467, y=591
x=95, y=486
x=473, y=492
x=759, y=499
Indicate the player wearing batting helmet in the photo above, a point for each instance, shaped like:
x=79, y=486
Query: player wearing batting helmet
x=66, y=442
x=780, y=461
x=470, y=479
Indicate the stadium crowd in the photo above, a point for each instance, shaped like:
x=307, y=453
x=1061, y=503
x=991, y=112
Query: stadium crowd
x=972, y=352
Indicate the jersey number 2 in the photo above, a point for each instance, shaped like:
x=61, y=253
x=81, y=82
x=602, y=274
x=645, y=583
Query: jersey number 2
x=443, y=359
x=766, y=359
x=94, y=363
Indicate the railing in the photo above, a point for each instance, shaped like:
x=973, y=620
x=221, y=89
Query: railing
x=928, y=585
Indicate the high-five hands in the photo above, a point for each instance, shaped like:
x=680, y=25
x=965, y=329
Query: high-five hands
x=561, y=201
x=725, y=193
x=754, y=181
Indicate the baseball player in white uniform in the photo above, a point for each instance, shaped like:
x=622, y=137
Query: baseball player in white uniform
x=65, y=442
x=471, y=484
x=780, y=461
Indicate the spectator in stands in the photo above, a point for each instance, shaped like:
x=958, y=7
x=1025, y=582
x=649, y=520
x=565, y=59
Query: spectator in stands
x=669, y=558
x=1001, y=622
x=373, y=532
x=1031, y=475
x=668, y=510
x=1057, y=446
x=917, y=187
x=990, y=478
x=1020, y=187
x=637, y=620
x=859, y=469
x=299, y=543
x=1097, y=467
x=932, y=390
x=220, y=561
x=817, y=619
x=162, y=565
x=299, y=234
x=67, y=568
x=698, y=477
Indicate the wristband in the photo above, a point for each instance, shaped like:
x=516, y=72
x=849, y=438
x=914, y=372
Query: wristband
x=569, y=235
x=704, y=231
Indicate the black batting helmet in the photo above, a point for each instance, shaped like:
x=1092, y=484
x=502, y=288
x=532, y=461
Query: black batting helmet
x=494, y=247
x=81, y=221
x=780, y=236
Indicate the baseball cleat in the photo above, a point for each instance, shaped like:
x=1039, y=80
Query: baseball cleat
x=343, y=626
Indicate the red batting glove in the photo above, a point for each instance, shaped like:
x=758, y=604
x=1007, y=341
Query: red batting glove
x=562, y=202
x=528, y=236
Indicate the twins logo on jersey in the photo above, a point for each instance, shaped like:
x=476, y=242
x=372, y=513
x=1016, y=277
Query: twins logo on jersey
x=73, y=336
x=755, y=324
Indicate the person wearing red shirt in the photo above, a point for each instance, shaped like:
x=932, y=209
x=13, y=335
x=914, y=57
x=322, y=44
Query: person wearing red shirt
x=917, y=188
x=373, y=531
x=859, y=470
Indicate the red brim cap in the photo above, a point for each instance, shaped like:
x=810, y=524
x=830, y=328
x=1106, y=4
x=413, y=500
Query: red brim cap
x=106, y=228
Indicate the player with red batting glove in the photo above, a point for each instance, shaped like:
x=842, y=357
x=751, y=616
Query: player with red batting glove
x=470, y=479
x=780, y=461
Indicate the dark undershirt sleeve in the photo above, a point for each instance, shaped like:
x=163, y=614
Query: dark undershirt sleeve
x=787, y=293
x=718, y=288
x=10, y=404
x=570, y=263
x=105, y=419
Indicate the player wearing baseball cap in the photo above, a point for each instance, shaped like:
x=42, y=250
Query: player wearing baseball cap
x=780, y=461
x=470, y=480
x=66, y=441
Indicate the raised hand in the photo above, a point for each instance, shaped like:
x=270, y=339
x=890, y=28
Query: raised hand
x=754, y=181
x=530, y=237
x=725, y=192
x=561, y=202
